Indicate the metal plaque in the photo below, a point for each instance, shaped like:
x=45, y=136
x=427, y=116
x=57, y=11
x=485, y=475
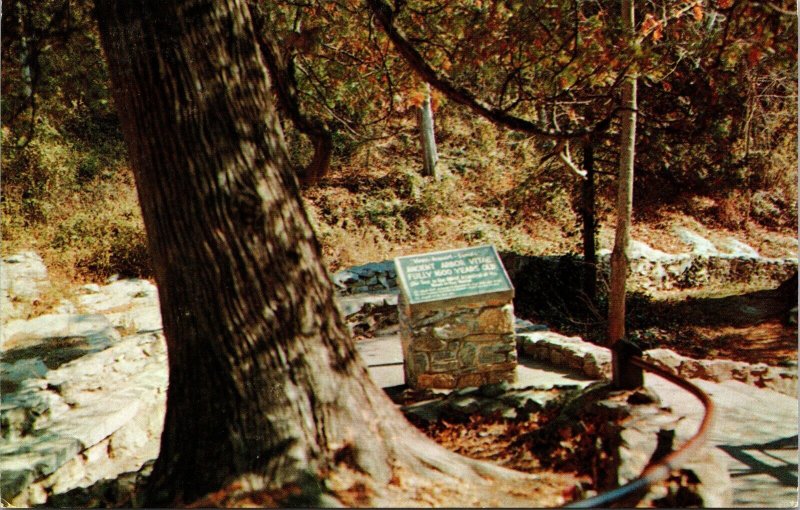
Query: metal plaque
x=452, y=274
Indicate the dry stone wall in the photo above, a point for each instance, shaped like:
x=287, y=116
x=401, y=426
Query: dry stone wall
x=655, y=270
x=595, y=361
x=458, y=346
x=780, y=379
x=372, y=277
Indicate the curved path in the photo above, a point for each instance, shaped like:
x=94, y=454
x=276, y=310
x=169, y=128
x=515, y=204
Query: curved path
x=757, y=429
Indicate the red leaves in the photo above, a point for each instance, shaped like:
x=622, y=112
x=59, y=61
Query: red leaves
x=754, y=55
x=416, y=98
x=652, y=27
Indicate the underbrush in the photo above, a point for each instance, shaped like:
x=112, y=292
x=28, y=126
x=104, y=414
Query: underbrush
x=377, y=205
x=68, y=194
x=74, y=203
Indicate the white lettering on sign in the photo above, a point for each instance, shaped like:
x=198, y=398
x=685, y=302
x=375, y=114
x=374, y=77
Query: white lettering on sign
x=420, y=267
x=450, y=274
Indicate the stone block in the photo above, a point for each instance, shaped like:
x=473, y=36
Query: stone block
x=511, y=356
x=592, y=369
x=422, y=319
x=472, y=379
x=443, y=361
x=453, y=330
x=419, y=363
x=444, y=366
x=492, y=353
x=665, y=358
x=723, y=370
x=495, y=377
x=575, y=362
x=467, y=355
x=496, y=320
x=428, y=344
x=481, y=338
x=494, y=367
x=441, y=381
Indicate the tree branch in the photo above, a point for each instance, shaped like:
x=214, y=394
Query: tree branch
x=385, y=15
x=566, y=158
x=281, y=71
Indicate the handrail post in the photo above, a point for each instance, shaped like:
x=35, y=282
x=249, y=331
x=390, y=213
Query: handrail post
x=625, y=374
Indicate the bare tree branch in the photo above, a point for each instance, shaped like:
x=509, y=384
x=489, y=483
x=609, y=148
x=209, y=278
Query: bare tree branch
x=566, y=158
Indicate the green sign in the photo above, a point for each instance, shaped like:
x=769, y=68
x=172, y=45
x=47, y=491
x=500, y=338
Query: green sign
x=452, y=274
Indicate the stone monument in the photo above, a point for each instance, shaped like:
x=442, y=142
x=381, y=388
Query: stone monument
x=456, y=318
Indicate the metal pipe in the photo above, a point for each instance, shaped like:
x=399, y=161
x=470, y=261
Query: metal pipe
x=661, y=469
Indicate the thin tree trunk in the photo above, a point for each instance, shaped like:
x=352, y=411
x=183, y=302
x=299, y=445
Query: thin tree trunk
x=430, y=157
x=619, y=256
x=589, y=225
x=24, y=57
x=265, y=385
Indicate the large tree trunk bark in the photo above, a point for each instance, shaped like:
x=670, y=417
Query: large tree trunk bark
x=619, y=256
x=282, y=72
x=266, y=387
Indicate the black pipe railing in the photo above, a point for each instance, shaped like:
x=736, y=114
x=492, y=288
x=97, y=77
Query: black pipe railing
x=660, y=470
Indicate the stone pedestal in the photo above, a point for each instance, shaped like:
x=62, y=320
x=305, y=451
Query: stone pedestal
x=465, y=339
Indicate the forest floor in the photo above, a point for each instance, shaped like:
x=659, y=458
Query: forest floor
x=753, y=327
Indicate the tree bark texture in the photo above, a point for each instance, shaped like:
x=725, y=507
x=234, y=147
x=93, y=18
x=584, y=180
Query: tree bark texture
x=430, y=157
x=265, y=383
x=282, y=71
x=624, y=207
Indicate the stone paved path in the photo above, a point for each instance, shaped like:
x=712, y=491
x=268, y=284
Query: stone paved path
x=755, y=428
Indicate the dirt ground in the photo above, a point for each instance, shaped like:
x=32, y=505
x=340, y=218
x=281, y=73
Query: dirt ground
x=754, y=327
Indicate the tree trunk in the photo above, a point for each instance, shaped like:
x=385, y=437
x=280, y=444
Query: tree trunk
x=27, y=60
x=430, y=157
x=619, y=256
x=282, y=73
x=589, y=225
x=266, y=387
x=24, y=56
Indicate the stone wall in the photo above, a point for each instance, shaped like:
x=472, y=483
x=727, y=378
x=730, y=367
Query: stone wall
x=372, y=277
x=655, y=270
x=780, y=379
x=574, y=353
x=651, y=269
x=461, y=345
x=595, y=361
